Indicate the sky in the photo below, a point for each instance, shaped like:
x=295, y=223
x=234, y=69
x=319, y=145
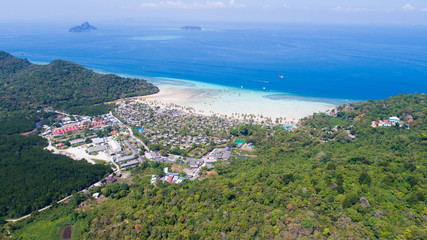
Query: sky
x=193, y=11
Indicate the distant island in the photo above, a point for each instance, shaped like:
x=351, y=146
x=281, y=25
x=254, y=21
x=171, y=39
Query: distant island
x=191, y=28
x=85, y=27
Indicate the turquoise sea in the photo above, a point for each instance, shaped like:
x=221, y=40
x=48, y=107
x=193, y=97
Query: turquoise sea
x=312, y=61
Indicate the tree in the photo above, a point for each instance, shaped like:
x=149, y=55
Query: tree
x=163, y=152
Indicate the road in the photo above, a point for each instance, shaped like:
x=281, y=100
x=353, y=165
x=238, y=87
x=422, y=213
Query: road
x=115, y=164
x=40, y=210
x=196, y=174
x=131, y=133
x=63, y=113
x=137, y=139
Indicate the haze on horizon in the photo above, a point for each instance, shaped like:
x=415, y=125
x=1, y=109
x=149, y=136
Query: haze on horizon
x=389, y=12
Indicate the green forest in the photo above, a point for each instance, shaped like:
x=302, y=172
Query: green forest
x=335, y=177
x=32, y=178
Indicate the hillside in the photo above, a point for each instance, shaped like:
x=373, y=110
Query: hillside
x=336, y=177
x=61, y=84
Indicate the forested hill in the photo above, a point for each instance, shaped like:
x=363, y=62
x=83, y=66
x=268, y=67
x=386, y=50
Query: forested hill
x=10, y=65
x=61, y=84
x=335, y=177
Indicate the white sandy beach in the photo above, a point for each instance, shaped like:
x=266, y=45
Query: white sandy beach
x=208, y=99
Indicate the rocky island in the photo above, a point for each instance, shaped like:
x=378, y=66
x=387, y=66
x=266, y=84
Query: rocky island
x=196, y=28
x=85, y=27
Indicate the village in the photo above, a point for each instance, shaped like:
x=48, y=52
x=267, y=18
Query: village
x=107, y=139
x=172, y=128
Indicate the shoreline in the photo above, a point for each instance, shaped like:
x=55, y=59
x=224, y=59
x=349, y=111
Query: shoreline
x=229, y=102
x=211, y=99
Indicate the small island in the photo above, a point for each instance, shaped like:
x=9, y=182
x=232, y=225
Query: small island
x=194, y=28
x=85, y=27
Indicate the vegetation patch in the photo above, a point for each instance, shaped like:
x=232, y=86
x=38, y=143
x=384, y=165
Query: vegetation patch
x=32, y=178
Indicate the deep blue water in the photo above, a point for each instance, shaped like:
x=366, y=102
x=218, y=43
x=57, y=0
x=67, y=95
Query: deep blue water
x=345, y=62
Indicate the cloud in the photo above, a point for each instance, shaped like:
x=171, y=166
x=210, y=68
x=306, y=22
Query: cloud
x=408, y=7
x=148, y=5
x=233, y=3
x=209, y=4
x=161, y=4
x=180, y=4
x=266, y=6
x=337, y=8
x=285, y=5
x=341, y=9
x=423, y=9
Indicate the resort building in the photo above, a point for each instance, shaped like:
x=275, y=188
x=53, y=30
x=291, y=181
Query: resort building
x=394, y=120
x=97, y=141
x=115, y=146
x=98, y=148
x=125, y=158
x=129, y=164
x=289, y=128
x=77, y=141
x=387, y=123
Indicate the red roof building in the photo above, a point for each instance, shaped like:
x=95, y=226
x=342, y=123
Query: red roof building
x=170, y=178
x=110, y=179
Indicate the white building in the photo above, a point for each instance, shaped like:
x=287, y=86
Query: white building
x=148, y=155
x=97, y=141
x=394, y=119
x=115, y=146
x=153, y=179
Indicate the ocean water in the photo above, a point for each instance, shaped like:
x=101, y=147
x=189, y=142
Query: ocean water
x=327, y=61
